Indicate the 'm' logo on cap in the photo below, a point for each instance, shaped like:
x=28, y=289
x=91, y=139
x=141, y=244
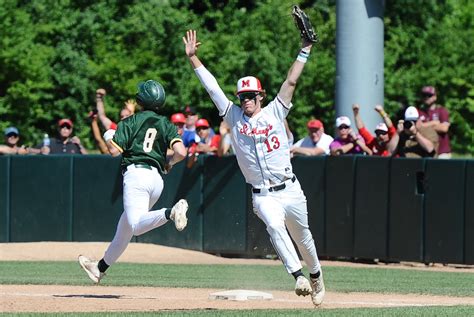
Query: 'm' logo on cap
x=246, y=83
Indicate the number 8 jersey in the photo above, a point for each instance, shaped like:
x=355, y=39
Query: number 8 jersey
x=144, y=138
x=261, y=143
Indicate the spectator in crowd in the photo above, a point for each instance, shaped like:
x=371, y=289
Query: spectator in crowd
x=413, y=140
x=208, y=142
x=315, y=143
x=383, y=131
x=11, y=146
x=65, y=143
x=127, y=110
x=437, y=117
x=97, y=134
x=189, y=135
x=347, y=142
x=178, y=119
x=225, y=145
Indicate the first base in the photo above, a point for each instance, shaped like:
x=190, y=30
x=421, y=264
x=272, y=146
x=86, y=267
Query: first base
x=241, y=295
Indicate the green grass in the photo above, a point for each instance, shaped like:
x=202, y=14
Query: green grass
x=375, y=312
x=263, y=277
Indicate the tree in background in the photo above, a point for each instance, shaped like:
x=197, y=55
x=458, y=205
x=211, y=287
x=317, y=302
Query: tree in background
x=56, y=53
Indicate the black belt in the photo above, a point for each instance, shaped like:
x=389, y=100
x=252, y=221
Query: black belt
x=274, y=188
x=146, y=166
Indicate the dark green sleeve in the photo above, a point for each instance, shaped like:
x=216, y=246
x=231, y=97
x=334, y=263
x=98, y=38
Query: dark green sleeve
x=123, y=135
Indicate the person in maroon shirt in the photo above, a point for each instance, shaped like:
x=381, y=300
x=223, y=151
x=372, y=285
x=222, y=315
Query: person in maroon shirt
x=383, y=131
x=436, y=116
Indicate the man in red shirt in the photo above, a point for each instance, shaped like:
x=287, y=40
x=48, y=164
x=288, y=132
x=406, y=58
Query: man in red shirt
x=383, y=131
x=437, y=117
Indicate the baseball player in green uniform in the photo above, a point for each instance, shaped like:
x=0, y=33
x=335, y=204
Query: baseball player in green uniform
x=142, y=140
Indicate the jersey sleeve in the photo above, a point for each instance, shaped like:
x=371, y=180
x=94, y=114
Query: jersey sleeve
x=121, y=138
x=214, y=90
x=279, y=108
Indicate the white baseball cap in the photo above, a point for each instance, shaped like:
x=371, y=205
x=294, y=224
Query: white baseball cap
x=381, y=127
x=343, y=120
x=411, y=114
x=248, y=84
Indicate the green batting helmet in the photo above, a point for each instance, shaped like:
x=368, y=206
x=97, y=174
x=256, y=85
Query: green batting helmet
x=151, y=95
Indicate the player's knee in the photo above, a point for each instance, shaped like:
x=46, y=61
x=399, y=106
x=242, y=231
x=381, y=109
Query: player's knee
x=275, y=229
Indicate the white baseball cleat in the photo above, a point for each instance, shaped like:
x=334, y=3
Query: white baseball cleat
x=91, y=268
x=302, y=287
x=318, y=290
x=178, y=214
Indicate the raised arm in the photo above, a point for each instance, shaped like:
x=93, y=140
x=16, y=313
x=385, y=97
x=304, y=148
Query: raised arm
x=288, y=87
x=205, y=77
x=99, y=101
x=357, y=118
x=384, y=116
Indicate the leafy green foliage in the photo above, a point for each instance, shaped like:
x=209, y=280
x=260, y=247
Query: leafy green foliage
x=55, y=54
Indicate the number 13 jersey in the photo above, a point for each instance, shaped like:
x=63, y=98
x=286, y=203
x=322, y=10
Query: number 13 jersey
x=261, y=143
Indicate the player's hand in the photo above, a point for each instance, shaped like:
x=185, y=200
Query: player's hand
x=190, y=43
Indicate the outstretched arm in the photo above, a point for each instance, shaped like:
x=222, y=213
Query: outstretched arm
x=207, y=79
x=288, y=87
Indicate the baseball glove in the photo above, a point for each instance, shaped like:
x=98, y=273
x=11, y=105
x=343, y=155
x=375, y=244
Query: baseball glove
x=303, y=24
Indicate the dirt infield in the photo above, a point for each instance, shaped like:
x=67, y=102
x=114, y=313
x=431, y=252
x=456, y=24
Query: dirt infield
x=54, y=298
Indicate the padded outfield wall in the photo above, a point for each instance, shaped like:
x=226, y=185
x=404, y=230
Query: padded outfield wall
x=359, y=207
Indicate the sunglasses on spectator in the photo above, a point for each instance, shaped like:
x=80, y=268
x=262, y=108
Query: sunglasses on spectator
x=427, y=95
x=9, y=135
x=66, y=126
x=248, y=95
x=201, y=128
x=379, y=132
x=342, y=127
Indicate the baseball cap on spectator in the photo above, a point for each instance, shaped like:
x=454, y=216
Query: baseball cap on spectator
x=202, y=123
x=189, y=110
x=343, y=120
x=178, y=118
x=10, y=130
x=65, y=122
x=314, y=124
x=381, y=127
x=428, y=90
x=411, y=114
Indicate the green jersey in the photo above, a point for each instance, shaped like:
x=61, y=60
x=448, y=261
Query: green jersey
x=144, y=138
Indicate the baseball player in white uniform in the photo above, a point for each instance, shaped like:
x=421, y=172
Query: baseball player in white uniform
x=263, y=154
